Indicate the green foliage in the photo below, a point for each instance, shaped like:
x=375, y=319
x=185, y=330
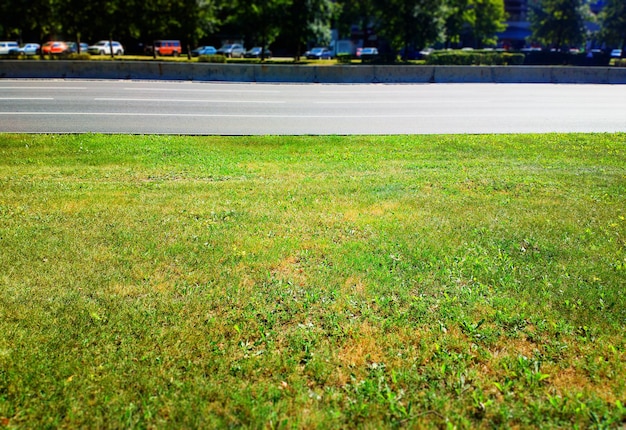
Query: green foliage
x=513, y=59
x=619, y=62
x=305, y=21
x=558, y=23
x=258, y=22
x=79, y=57
x=613, y=20
x=212, y=59
x=410, y=24
x=468, y=58
x=350, y=13
x=344, y=58
x=458, y=15
x=489, y=20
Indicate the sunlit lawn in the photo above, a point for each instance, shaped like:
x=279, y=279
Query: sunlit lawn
x=462, y=281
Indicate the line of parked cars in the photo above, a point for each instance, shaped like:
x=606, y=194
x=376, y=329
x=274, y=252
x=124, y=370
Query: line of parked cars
x=232, y=50
x=13, y=48
x=57, y=47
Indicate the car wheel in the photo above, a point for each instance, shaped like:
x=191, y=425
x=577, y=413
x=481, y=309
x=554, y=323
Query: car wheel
x=175, y=54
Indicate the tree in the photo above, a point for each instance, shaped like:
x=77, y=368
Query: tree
x=613, y=19
x=31, y=19
x=355, y=13
x=307, y=20
x=259, y=22
x=77, y=23
x=458, y=16
x=489, y=17
x=558, y=22
x=410, y=24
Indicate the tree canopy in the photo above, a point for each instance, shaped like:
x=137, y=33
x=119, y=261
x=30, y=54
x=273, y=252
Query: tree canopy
x=613, y=19
x=399, y=25
x=558, y=22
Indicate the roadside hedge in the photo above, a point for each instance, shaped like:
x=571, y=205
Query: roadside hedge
x=559, y=58
x=344, y=58
x=620, y=62
x=474, y=58
x=212, y=59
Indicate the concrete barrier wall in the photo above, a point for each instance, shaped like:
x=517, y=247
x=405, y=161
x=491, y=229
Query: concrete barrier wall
x=309, y=74
x=403, y=74
x=283, y=73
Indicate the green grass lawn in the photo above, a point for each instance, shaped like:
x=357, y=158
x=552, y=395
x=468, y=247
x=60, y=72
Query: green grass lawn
x=410, y=281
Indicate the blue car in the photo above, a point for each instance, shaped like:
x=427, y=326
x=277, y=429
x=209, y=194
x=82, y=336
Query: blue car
x=319, y=53
x=204, y=50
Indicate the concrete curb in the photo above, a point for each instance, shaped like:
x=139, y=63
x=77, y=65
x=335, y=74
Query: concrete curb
x=344, y=74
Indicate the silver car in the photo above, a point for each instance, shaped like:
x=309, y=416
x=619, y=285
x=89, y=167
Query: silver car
x=232, y=50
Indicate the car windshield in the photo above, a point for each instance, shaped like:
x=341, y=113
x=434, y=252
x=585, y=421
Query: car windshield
x=316, y=50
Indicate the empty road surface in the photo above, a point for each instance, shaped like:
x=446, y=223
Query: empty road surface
x=166, y=107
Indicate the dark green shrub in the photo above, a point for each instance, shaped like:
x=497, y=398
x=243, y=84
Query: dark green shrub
x=620, y=62
x=388, y=58
x=474, y=58
x=450, y=58
x=596, y=59
x=344, y=58
x=558, y=58
x=212, y=59
x=546, y=58
x=513, y=58
x=75, y=56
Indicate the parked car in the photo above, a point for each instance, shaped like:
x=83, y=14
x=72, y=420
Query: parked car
x=256, y=52
x=425, y=52
x=232, y=50
x=72, y=47
x=204, y=50
x=369, y=53
x=54, y=48
x=616, y=53
x=103, y=47
x=7, y=48
x=166, y=47
x=319, y=53
x=29, y=49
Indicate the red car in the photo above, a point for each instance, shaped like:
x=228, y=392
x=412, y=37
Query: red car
x=51, y=48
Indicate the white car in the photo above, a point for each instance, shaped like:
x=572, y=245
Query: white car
x=103, y=47
x=29, y=49
x=616, y=53
x=7, y=48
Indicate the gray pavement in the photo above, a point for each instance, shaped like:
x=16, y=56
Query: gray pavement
x=171, y=107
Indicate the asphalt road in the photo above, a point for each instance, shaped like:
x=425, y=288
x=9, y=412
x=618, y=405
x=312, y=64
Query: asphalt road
x=150, y=107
